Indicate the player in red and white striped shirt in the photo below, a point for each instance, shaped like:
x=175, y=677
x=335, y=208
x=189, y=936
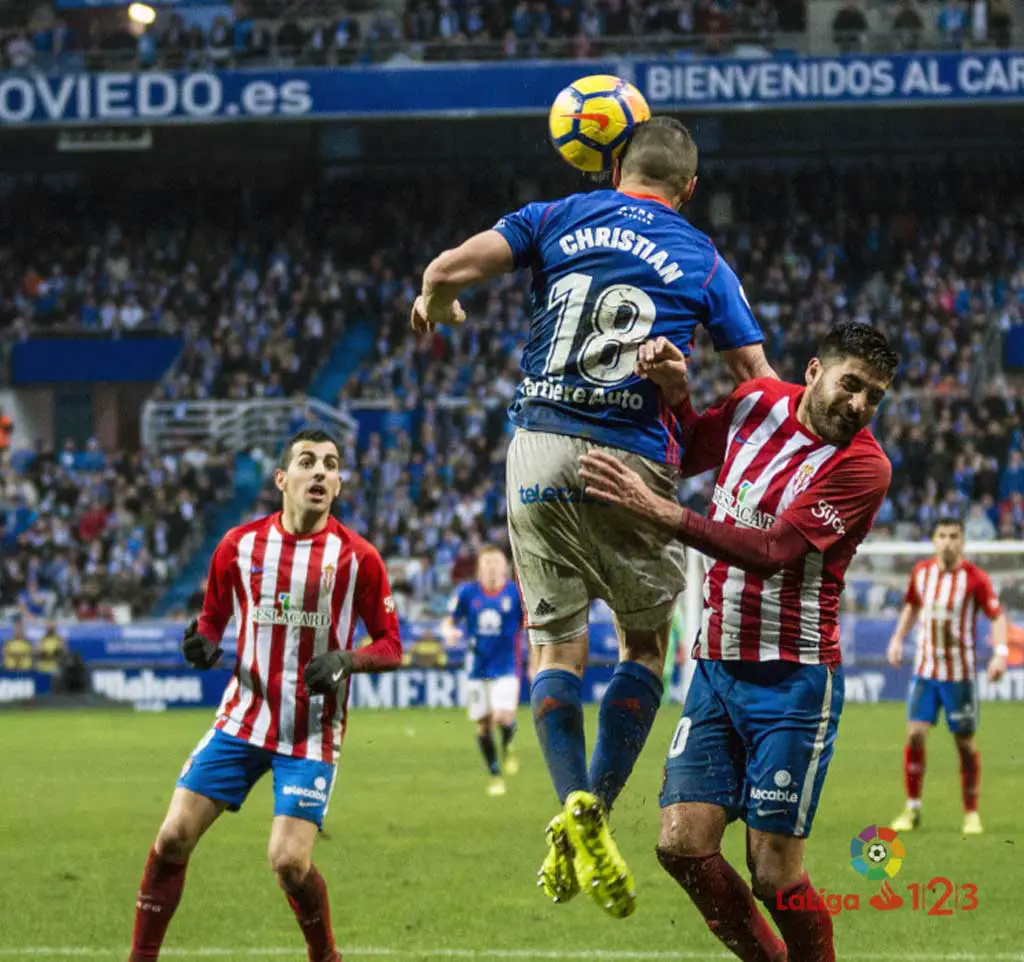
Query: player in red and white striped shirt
x=799, y=483
x=295, y=582
x=944, y=596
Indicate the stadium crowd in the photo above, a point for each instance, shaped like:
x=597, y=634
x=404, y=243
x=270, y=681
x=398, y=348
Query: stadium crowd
x=240, y=34
x=259, y=292
x=83, y=530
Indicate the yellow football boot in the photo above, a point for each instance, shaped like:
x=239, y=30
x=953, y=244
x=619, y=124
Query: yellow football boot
x=557, y=873
x=600, y=869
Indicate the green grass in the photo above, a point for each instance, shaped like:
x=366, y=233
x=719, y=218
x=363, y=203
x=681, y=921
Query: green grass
x=421, y=860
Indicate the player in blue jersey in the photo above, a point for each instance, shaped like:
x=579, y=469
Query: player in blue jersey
x=611, y=269
x=490, y=614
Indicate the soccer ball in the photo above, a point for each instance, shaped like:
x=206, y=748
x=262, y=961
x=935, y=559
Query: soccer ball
x=592, y=118
x=877, y=852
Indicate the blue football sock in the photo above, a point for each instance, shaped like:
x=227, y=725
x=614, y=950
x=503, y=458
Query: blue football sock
x=556, y=699
x=627, y=713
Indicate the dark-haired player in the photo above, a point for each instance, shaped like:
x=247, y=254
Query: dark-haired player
x=296, y=582
x=800, y=481
x=944, y=595
x=611, y=268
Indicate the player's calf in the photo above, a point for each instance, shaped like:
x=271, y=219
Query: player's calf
x=291, y=858
x=688, y=849
x=780, y=882
x=163, y=878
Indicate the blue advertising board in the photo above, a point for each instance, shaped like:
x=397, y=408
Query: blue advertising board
x=158, y=689
x=470, y=89
x=48, y=360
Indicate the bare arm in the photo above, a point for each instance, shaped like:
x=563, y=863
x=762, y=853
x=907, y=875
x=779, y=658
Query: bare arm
x=763, y=553
x=1001, y=646
x=907, y=619
x=748, y=363
x=483, y=256
x=449, y=632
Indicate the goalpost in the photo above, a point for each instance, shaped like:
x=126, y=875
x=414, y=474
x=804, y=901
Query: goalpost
x=875, y=583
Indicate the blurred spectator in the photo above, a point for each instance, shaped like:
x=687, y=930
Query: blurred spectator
x=51, y=650
x=849, y=27
x=1000, y=18
x=908, y=25
x=1011, y=480
x=17, y=648
x=952, y=22
x=19, y=52
x=6, y=430
x=979, y=21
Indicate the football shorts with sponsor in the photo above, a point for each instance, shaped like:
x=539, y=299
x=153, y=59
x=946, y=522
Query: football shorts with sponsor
x=756, y=738
x=484, y=696
x=225, y=769
x=958, y=700
x=570, y=548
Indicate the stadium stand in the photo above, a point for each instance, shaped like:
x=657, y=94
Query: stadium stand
x=86, y=531
x=258, y=289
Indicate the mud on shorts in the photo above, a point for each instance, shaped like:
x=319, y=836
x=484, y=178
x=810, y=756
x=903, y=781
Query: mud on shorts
x=569, y=549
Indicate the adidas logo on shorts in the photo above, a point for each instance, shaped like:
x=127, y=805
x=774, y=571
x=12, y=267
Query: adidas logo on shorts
x=543, y=608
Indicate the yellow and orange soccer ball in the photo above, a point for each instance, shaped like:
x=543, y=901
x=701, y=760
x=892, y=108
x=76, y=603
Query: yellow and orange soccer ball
x=592, y=118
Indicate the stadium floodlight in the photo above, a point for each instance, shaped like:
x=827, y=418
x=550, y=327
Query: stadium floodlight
x=141, y=13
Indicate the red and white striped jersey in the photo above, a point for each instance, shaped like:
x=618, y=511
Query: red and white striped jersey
x=949, y=602
x=293, y=598
x=772, y=468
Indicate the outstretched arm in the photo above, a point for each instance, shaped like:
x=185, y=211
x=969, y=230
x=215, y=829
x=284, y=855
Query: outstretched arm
x=763, y=553
x=483, y=256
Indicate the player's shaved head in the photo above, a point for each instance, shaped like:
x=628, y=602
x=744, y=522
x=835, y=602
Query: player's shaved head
x=312, y=435
x=662, y=151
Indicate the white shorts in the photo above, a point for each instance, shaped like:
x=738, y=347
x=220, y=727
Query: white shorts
x=569, y=550
x=484, y=696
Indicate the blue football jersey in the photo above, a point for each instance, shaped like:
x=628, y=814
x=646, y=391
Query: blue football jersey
x=610, y=271
x=491, y=624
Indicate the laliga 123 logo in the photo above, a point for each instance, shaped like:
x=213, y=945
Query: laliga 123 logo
x=876, y=853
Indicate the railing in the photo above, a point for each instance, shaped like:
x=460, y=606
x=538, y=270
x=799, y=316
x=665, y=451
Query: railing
x=170, y=426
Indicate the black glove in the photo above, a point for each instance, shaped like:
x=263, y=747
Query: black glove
x=325, y=673
x=198, y=650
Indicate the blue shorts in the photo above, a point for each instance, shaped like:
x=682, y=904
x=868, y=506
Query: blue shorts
x=959, y=700
x=756, y=738
x=225, y=769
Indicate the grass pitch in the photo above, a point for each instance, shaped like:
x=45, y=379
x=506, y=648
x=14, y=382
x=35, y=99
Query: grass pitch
x=421, y=864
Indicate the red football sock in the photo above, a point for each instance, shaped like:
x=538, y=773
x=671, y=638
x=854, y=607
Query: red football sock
x=159, y=894
x=727, y=904
x=970, y=777
x=808, y=931
x=913, y=770
x=309, y=903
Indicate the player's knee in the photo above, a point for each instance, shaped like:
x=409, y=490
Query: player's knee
x=290, y=866
x=483, y=725
x=773, y=869
x=965, y=743
x=916, y=738
x=682, y=838
x=176, y=840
